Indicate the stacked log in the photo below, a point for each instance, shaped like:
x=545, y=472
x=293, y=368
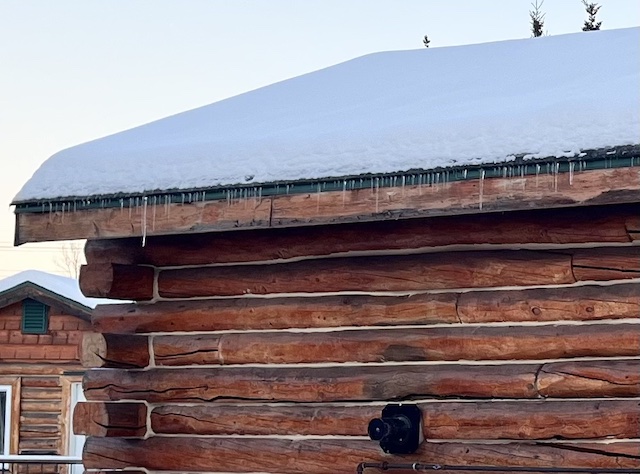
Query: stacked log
x=270, y=351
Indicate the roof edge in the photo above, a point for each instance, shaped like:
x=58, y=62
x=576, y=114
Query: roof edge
x=524, y=164
x=34, y=291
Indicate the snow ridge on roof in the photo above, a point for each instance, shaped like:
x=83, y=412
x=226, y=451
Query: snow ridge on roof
x=63, y=286
x=381, y=113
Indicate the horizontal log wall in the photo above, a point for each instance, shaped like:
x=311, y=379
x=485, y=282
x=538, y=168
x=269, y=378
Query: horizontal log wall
x=332, y=456
x=525, y=352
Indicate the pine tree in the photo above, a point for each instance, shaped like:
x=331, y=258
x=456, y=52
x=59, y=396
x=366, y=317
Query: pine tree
x=537, y=19
x=426, y=41
x=592, y=10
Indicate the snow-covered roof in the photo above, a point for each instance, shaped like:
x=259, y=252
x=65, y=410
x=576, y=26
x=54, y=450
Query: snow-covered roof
x=65, y=287
x=382, y=113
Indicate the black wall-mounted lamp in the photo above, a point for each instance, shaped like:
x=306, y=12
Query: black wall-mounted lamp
x=399, y=429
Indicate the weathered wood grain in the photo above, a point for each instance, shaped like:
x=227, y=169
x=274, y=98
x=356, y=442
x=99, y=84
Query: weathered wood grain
x=161, y=219
x=610, y=186
x=312, y=384
x=633, y=226
x=552, y=226
x=517, y=420
x=387, y=273
x=583, y=380
x=127, y=282
x=398, y=345
x=327, y=456
x=608, y=263
x=582, y=303
x=122, y=420
x=114, y=351
x=599, y=378
x=276, y=313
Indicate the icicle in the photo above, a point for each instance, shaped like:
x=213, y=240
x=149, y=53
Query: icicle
x=153, y=214
x=556, y=168
x=537, y=174
x=572, y=166
x=130, y=209
x=482, y=175
x=377, y=194
x=144, y=221
x=464, y=173
x=344, y=192
x=318, y=199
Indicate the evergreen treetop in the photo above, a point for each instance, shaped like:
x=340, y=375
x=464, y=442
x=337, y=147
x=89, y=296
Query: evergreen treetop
x=592, y=9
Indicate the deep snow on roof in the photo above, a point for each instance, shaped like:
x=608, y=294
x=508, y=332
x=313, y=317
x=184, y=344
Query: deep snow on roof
x=63, y=286
x=382, y=113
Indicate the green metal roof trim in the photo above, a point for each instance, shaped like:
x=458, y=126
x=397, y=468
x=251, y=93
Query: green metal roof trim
x=605, y=158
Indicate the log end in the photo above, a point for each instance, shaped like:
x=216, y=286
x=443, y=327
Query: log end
x=93, y=350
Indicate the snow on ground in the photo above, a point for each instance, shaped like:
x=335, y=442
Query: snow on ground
x=67, y=287
x=384, y=112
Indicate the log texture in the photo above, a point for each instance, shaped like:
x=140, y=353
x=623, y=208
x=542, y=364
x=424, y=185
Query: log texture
x=609, y=186
x=399, y=345
x=582, y=303
x=583, y=380
x=276, y=313
x=633, y=226
x=127, y=282
x=559, y=226
x=114, y=351
x=551, y=304
x=609, y=263
x=113, y=223
x=304, y=384
x=517, y=420
x=123, y=420
x=388, y=273
x=600, y=378
x=331, y=456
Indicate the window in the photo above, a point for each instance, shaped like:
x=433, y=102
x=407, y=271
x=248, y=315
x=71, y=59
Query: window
x=5, y=418
x=35, y=317
x=76, y=442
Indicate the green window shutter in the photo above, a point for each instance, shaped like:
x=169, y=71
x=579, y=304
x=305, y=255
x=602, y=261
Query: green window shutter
x=35, y=317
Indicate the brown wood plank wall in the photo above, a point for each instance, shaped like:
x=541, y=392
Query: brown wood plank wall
x=516, y=357
x=39, y=363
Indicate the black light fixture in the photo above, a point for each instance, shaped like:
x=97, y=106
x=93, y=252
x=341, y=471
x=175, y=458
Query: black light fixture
x=399, y=429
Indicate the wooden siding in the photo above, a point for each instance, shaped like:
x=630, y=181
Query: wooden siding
x=39, y=363
x=517, y=357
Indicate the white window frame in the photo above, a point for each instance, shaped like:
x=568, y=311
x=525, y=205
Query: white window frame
x=7, y=418
x=4, y=450
x=76, y=442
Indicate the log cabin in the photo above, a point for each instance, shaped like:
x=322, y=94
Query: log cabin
x=449, y=231
x=42, y=319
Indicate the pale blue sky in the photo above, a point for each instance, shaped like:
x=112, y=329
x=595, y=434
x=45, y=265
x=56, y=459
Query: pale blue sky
x=74, y=70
